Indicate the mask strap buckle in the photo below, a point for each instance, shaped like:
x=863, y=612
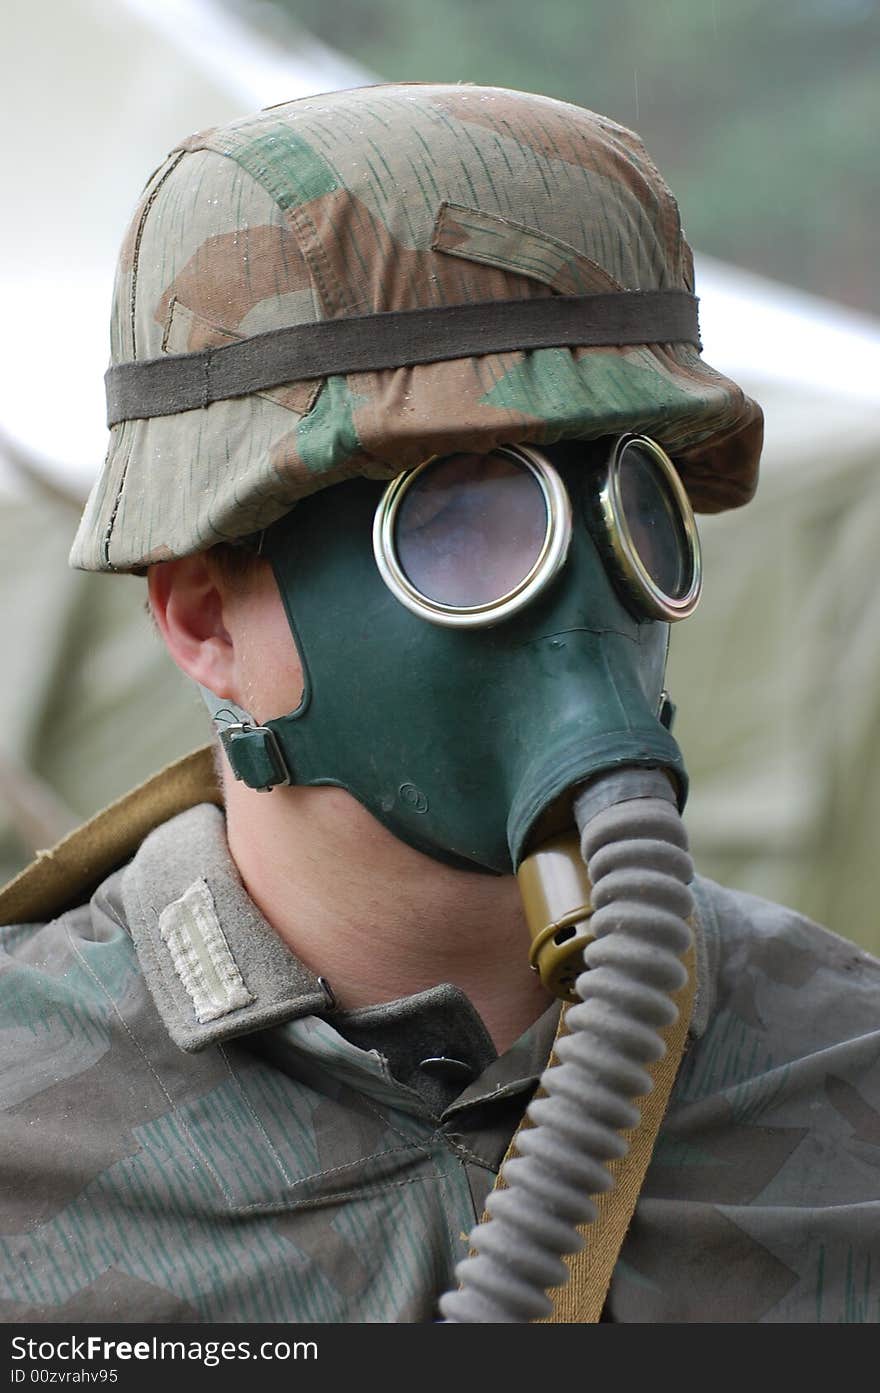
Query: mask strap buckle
x=255, y=756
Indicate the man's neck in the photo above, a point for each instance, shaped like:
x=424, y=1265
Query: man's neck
x=373, y=916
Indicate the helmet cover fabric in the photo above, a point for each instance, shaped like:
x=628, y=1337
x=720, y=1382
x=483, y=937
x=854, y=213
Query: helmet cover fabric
x=386, y=198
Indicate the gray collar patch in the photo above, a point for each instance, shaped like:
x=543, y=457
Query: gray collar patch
x=214, y=966
x=191, y=932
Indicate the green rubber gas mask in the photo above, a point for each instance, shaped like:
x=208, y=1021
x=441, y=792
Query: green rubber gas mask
x=480, y=638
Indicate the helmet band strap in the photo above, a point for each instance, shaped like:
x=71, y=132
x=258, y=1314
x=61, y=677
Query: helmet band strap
x=393, y=339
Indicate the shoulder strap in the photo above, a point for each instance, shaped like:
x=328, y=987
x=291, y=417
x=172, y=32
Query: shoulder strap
x=70, y=871
x=581, y=1299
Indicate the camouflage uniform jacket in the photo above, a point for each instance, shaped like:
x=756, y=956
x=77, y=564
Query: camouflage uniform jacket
x=187, y=1138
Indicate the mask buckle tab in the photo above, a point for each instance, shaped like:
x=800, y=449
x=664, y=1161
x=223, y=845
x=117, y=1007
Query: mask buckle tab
x=255, y=756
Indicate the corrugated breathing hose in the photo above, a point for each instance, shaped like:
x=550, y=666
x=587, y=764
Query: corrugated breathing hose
x=635, y=847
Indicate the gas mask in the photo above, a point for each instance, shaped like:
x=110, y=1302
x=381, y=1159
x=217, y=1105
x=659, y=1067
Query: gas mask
x=479, y=638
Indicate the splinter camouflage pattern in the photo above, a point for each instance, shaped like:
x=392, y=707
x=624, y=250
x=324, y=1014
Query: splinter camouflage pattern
x=255, y=1165
x=394, y=198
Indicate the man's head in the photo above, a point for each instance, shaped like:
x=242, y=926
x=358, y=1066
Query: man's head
x=344, y=287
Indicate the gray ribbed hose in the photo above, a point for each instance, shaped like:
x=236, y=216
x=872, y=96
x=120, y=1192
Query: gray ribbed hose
x=635, y=847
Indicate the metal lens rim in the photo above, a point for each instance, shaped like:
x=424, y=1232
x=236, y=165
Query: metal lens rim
x=547, y=564
x=634, y=573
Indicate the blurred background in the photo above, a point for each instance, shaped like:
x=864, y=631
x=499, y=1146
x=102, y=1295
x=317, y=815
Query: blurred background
x=762, y=115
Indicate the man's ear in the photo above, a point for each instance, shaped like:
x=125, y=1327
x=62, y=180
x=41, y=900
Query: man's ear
x=229, y=632
x=188, y=606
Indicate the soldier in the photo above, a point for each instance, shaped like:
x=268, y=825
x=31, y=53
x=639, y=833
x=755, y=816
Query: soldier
x=408, y=420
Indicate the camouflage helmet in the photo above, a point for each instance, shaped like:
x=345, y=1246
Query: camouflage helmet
x=381, y=199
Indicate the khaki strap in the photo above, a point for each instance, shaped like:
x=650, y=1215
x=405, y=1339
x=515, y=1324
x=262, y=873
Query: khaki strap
x=69, y=873
x=581, y=1299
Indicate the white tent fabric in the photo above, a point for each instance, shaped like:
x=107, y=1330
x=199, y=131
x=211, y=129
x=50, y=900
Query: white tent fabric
x=87, y=117
x=777, y=677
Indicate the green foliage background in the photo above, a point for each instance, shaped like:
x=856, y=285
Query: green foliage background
x=762, y=114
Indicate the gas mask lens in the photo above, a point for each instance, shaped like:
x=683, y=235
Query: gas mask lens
x=466, y=540
x=650, y=528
